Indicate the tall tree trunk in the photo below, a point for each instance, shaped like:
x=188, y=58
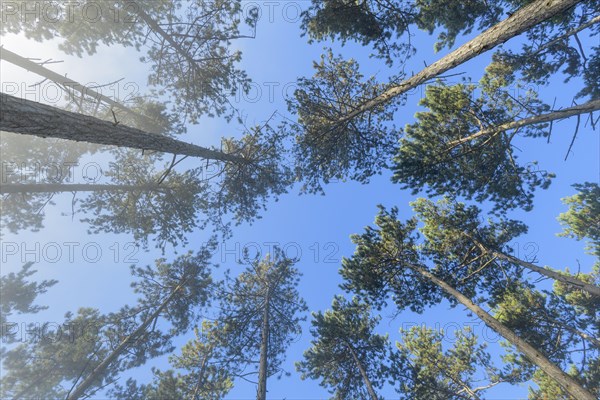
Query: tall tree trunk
x=31, y=118
x=592, y=105
x=261, y=393
x=29, y=65
x=77, y=187
x=97, y=373
x=570, y=385
x=521, y=21
x=363, y=373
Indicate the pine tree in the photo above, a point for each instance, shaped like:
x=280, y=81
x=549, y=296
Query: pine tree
x=17, y=295
x=425, y=368
x=346, y=354
x=89, y=349
x=389, y=259
x=260, y=316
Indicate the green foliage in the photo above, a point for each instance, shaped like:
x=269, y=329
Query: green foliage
x=449, y=240
x=436, y=156
x=560, y=328
x=150, y=200
x=584, y=302
x=380, y=265
x=77, y=35
x=204, y=372
x=53, y=355
x=167, y=206
x=456, y=17
x=327, y=149
x=554, y=48
x=444, y=244
x=55, y=358
x=582, y=219
x=17, y=295
x=371, y=22
x=426, y=369
x=190, y=57
x=243, y=189
x=339, y=333
x=197, y=67
x=268, y=283
x=189, y=274
x=459, y=243
x=549, y=389
x=29, y=159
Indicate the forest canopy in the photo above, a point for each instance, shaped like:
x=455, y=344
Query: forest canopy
x=222, y=199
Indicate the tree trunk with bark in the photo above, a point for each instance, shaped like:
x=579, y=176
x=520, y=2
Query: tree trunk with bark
x=590, y=106
x=63, y=81
x=569, y=280
x=31, y=118
x=519, y=22
x=570, y=385
x=363, y=373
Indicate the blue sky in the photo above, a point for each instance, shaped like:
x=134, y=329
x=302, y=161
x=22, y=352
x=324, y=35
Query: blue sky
x=317, y=227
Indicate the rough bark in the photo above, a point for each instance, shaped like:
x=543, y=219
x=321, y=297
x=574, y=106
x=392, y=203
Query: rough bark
x=519, y=22
x=97, y=373
x=590, y=106
x=569, y=384
x=31, y=118
x=363, y=373
x=29, y=65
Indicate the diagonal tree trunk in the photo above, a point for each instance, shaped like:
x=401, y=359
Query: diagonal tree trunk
x=569, y=280
x=590, y=106
x=363, y=373
x=31, y=118
x=97, y=373
x=521, y=21
x=29, y=65
x=570, y=385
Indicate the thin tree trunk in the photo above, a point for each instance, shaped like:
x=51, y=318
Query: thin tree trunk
x=569, y=280
x=363, y=373
x=201, y=378
x=68, y=188
x=570, y=385
x=29, y=65
x=31, y=118
x=261, y=393
x=169, y=39
x=96, y=374
x=572, y=32
x=592, y=105
x=521, y=21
